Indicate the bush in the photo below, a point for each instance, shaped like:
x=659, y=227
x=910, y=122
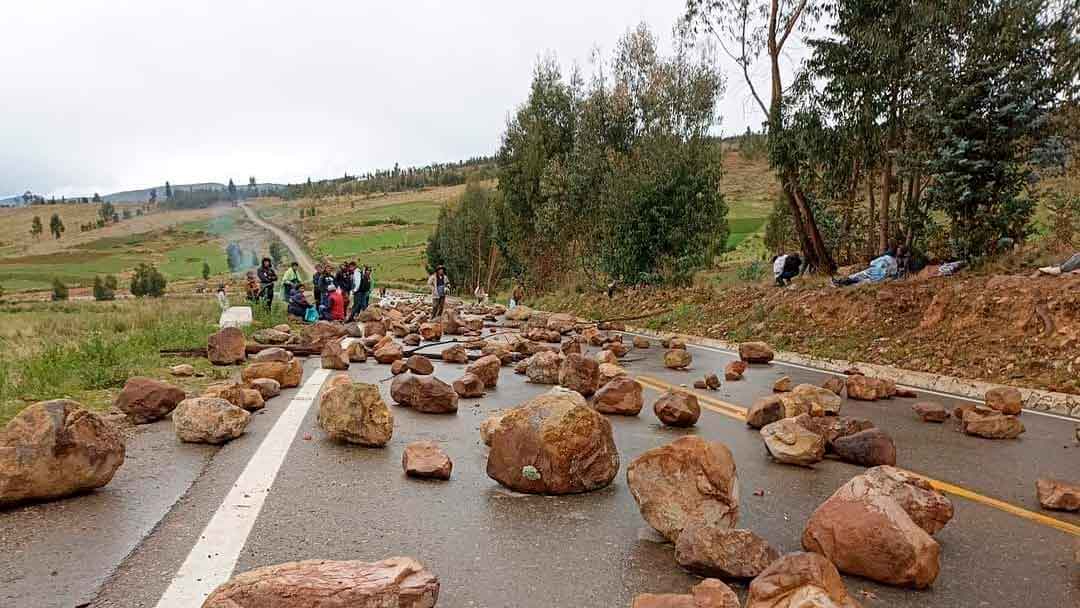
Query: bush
x=147, y=281
x=59, y=290
x=752, y=272
x=105, y=289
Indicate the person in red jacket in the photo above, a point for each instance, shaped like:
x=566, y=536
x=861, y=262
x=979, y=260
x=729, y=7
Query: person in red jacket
x=337, y=304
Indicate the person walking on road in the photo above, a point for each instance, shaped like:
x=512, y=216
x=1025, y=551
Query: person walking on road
x=362, y=294
x=267, y=278
x=516, y=296
x=290, y=280
x=440, y=286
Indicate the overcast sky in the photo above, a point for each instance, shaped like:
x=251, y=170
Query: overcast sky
x=110, y=95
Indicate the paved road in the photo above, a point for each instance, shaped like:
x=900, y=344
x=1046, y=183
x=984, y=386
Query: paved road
x=298, y=252
x=495, y=548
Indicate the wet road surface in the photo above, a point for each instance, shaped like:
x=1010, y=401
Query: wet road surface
x=492, y=547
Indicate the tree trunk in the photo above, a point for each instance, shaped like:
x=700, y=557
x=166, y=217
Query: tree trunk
x=883, y=215
x=873, y=206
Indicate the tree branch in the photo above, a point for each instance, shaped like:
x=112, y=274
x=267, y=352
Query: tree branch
x=791, y=24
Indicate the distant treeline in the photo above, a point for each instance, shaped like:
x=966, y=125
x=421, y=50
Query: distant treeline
x=399, y=179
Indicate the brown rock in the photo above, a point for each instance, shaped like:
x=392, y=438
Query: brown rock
x=783, y=385
x=700, y=384
x=209, y=420
x=723, y=552
x=677, y=358
x=561, y=322
x=146, y=400
x=356, y=352
x=814, y=400
x=56, y=448
x=579, y=373
x=905, y=393
x=419, y=364
x=553, y=444
x=862, y=388
x=425, y=394
x=389, y=353
x=606, y=356
x=356, y=413
x=322, y=332
x=930, y=412
x=608, y=372
x=486, y=368
x=571, y=347
x=709, y=593
x=270, y=336
x=677, y=409
x=182, y=370
x=641, y=342
x=396, y=582
x=374, y=328
x=431, y=332
x=991, y=424
x=543, y=368
x=226, y=347
x=621, y=395
x=712, y=382
x=337, y=380
x=869, y=448
x=521, y=367
x=755, y=352
x=334, y=356
x=1005, y=399
x=499, y=350
x=835, y=385
x=878, y=526
x=675, y=343
x=832, y=428
x=799, y=580
x=426, y=459
x=617, y=348
x=1058, y=495
x=273, y=353
x=267, y=387
x=734, y=370
x=687, y=481
x=788, y=442
x=765, y=411
x=398, y=367
x=412, y=339
x=287, y=374
x=469, y=386
x=455, y=354
x=489, y=426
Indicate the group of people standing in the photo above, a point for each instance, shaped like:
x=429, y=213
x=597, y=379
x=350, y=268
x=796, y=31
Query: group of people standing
x=339, y=295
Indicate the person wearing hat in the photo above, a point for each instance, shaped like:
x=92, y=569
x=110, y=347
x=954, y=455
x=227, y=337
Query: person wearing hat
x=440, y=286
x=336, y=301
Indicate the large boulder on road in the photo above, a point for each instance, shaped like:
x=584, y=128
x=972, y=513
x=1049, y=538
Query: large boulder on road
x=388, y=353
x=869, y=448
x=788, y=442
x=709, y=593
x=398, y=582
x=622, y=395
x=878, y=525
x=1005, y=399
x=553, y=444
x=56, y=448
x=469, y=386
x=579, y=373
x=209, y=420
x=1058, y=495
x=273, y=353
x=356, y=413
x=271, y=336
x=799, y=580
x=755, y=352
x=288, y=374
x=455, y=354
x=679, y=409
x=424, y=393
x=687, y=481
x=226, y=347
x=543, y=368
x=677, y=358
x=322, y=332
x=146, y=399
x=334, y=356
x=990, y=424
x=723, y=552
x=487, y=369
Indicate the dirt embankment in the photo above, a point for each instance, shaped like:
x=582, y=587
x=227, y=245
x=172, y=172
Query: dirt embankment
x=1014, y=330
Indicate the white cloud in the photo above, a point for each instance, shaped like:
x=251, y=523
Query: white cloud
x=118, y=94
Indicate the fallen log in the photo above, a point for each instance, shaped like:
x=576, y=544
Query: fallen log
x=299, y=350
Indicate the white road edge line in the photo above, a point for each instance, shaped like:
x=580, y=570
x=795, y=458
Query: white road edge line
x=214, y=556
x=832, y=373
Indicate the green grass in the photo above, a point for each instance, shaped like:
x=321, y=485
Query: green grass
x=742, y=227
x=187, y=262
x=87, y=350
x=352, y=245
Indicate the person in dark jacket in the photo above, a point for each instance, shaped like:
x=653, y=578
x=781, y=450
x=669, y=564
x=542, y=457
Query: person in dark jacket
x=317, y=283
x=298, y=304
x=344, y=280
x=786, y=267
x=267, y=278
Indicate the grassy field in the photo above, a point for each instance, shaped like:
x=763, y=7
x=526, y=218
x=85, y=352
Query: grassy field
x=178, y=250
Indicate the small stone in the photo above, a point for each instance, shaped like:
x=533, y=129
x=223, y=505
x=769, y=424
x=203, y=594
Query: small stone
x=869, y=448
x=419, y=364
x=334, y=356
x=835, y=384
x=1058, y=495
x=783, y=385
x=700, y=384
x=677, y=358
x=183, y=370
x=723, y=552
x=734, y=370
x=425, y=459
x=929, y=411
x=678, y=409
x=712, y=382
x=641, y=342
x=398, y=367
x=755, y=352
x=790, y=443
x=991, y=424
x=469, y=386
x=1005, y=399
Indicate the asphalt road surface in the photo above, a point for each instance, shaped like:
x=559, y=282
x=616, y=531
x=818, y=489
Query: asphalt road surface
x=284, y=492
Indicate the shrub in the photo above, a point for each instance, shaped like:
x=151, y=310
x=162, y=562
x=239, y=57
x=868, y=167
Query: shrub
x=147, y=281
x=59, y=290
x=105, y=289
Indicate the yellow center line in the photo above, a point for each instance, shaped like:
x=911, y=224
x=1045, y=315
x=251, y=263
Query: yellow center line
x=739, y=413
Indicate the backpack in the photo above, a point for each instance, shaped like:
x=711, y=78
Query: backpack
x=310, y=315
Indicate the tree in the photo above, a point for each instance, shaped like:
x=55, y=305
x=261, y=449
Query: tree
x=235, y=257
x=232, y=190
x=168, y=191
x=745, y=29
x=35, y=227
x=277, y=252
x=59, y=290
x=205, y=270
x=106, y=211
x=56, y=225
x=252, y=185
x=97, y=198
x=147, y=281
x=105, y=290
